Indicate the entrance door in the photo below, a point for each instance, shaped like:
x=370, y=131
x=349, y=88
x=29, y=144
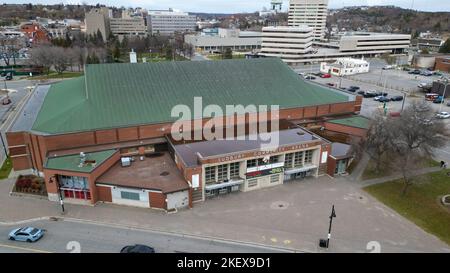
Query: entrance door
x=341, y=166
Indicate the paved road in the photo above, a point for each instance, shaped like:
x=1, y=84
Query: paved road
x=96, y=238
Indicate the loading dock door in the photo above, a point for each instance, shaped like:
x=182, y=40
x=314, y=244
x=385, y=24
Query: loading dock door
x=177, y=200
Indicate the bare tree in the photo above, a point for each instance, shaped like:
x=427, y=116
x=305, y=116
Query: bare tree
x=377, y=142
x=42, y=56
x=61, y=58
x=9, y=49
x=415, y=136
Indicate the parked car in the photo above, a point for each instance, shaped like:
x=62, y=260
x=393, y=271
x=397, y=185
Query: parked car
x=415, y=72
x=384, y=94
x=351, y=90
x=397, y=98
x=8, y=76
x=331, y=84
x=361, y=92
x=443, y=115
x=377, y=98
x=370, y=94
x=309, y=77
x=26, y=234
x=426, y=73
x=326, y=75
x=384, y=99
x=387, y=67
x=406, y=68
x=439, y=99
x=137, y=249
x=448, y=103
x=354, y=87
x=423, y=85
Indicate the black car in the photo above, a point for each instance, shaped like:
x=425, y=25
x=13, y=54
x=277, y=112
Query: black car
x=397, y=98
x=351, y=90
x=137, y=249
x=354, y=87
x=8, y=76
x=361, y=92
x=384, y=99
x=415, y=71
x=384, y=94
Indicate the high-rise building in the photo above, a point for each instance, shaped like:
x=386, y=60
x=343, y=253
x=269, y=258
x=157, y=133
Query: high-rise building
x=98, y=19
x=168, y=22
x=287, y=43
x=312, y=13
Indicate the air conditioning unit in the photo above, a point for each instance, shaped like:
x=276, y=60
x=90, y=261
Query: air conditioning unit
x=126, y=161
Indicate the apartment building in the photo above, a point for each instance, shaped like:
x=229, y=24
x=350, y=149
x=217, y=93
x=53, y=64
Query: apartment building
x=168, y=22
x=287, y=43
x=312, y=13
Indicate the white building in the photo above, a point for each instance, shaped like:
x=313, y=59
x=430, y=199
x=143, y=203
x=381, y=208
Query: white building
x=287, y=43
x=371, y=41
x=169, y=22
x=312, y=13
x=345, y=66
x=225, y=38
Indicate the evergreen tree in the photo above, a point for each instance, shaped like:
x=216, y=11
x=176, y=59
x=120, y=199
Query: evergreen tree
x=445, y=48
x=169, y=53
x=99, y=38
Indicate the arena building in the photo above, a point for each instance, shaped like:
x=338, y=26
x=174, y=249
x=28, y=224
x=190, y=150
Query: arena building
x=106, y=136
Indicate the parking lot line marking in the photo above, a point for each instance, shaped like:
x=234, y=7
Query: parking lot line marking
x=25, y=248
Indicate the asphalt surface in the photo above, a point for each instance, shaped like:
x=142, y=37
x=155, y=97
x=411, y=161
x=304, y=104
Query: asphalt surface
x=65, y=236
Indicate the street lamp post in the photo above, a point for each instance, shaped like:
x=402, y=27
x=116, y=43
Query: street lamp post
x=61, y=201
x=333, y=215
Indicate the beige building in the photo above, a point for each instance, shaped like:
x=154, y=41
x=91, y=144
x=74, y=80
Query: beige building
x=170, y=21
x=130, y=26
x=312, y=13
x=287, y=43
x=98, y=19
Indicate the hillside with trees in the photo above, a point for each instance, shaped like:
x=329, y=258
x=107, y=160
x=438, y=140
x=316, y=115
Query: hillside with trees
x=390, y=19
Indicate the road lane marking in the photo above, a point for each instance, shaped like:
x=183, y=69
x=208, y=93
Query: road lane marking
x=24, y=248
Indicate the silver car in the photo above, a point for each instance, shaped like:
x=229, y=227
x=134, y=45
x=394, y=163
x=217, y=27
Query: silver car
x=26, y=234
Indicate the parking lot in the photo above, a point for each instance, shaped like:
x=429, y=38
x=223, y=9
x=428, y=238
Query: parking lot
x=394, y=82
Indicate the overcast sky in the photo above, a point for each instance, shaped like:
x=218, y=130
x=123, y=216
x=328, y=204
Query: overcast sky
x=234, y=6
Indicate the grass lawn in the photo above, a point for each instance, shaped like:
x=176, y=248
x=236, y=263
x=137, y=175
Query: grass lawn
x=370, y=173
x=6, y=168
x=421, y=204
x=55, y=75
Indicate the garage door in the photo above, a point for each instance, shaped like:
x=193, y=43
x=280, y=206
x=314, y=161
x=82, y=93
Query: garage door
x=177, y=200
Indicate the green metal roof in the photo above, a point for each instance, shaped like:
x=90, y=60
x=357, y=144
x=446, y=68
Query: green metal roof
x=72, y=162
x=120, y=95
x=355, y=121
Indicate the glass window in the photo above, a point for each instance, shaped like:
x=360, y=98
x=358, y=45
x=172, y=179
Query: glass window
x=210, y=174
x=274, y=159
x=222, y=172
x=274, y=178
x=251, y=163
x=129, y=195
x=298, y=159
x=252, y=182
x=308, y=156
x=288, y=160
x=234, y=170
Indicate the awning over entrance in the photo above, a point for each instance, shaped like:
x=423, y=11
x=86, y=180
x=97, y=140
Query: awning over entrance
x=302, y=169
x=223, y=185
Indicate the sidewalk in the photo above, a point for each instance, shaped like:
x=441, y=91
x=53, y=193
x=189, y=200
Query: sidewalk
x=374, y=181
x=290, y=216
